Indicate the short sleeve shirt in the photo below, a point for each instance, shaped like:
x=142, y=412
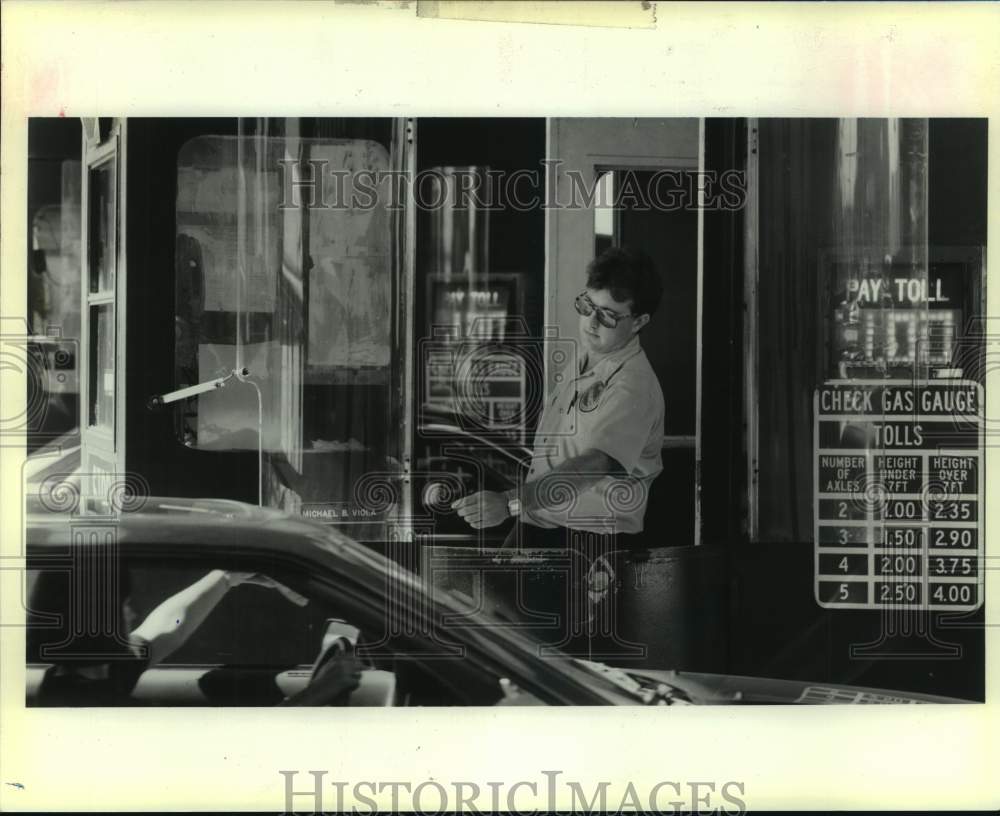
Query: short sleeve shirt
x=615, y=407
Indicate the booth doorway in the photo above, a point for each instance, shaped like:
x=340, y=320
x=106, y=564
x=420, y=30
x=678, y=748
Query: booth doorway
x=632, y=172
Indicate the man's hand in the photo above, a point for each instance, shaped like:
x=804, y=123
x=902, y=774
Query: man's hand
x=333, y=679
x=339, y=673
x=484, y=509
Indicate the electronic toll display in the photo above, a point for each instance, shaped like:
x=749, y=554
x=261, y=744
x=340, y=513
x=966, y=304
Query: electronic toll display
x=899, y=498
x=885, y=323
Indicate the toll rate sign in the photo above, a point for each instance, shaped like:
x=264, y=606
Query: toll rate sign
x=899, y=492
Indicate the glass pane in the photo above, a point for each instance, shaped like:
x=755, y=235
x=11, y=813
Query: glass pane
x=102, y=367
x=285, y=253
x=54, y=288
x=877, y=270
x=277, y=288
x=102, y=227
x=349, y=277
x=843, y=286
x=469, y=311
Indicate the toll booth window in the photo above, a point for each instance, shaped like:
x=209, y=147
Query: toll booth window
x=285, y=287
x=102, y=247
x=851, y=290
x=102, y=351
x=53, y=284
x=54, y=290
x=475, y=352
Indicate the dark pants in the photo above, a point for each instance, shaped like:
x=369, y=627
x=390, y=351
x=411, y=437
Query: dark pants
x=592, y=627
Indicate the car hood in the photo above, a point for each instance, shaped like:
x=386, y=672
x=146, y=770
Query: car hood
x=727, y=689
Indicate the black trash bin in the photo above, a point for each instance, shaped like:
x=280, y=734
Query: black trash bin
x=650, y=608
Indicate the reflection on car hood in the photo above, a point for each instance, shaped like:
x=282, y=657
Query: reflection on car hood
x=726, y=689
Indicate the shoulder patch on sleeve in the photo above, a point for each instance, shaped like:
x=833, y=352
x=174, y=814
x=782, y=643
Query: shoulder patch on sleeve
x=591, y=398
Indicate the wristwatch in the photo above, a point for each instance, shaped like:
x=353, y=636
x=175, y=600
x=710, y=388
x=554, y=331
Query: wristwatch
x=513, y=503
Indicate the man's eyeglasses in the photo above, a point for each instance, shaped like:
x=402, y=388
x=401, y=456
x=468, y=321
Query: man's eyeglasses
x=586, y=307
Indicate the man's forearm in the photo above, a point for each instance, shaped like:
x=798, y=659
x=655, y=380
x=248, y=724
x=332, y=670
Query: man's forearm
x=168, y=626
x=580, y=473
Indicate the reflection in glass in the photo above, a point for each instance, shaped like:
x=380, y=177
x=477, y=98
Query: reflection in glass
x=294, y=283
x=878, y=260
x=54, y=288
x=102, y=367
x=843, y=290
x=289, y=292
x=102, y=242
x=349, y=280
x=459, y=226
x=470, y=369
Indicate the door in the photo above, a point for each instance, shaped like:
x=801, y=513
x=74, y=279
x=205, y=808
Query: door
x=632, y=182
x=102, y=364
x=291, y=286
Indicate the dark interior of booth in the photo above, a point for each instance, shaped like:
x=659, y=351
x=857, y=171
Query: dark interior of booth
x=732, y=605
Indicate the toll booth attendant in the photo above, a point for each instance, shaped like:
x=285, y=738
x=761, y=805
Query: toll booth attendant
x=598, y=442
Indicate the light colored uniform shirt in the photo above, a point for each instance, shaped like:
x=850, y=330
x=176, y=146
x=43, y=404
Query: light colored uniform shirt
x=615, y=407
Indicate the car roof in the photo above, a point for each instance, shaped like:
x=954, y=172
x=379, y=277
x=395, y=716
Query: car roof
x=176, y=527
x=175, y=524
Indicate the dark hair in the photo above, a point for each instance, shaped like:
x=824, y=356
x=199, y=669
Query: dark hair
x=629, y=275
